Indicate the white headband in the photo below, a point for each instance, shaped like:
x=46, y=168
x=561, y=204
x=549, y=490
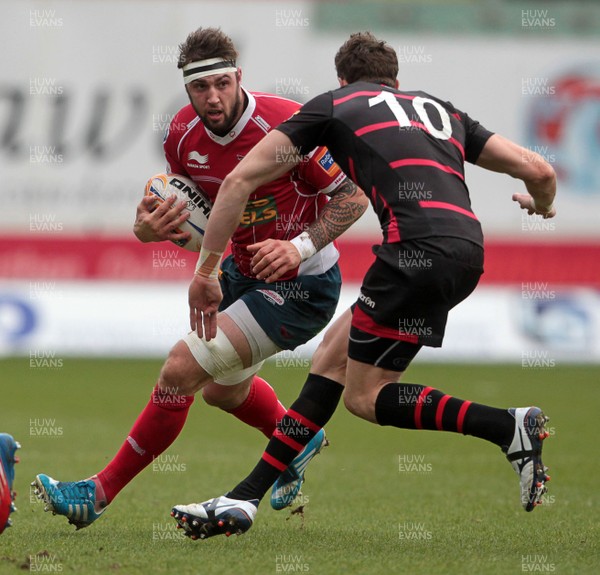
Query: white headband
x=202, y=68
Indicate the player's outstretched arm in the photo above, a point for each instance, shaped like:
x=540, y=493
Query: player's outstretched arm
x=268, y=160
x=273, y=258
x=502, y=155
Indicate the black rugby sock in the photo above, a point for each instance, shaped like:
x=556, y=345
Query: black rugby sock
x=307, y=415
x=412, y=406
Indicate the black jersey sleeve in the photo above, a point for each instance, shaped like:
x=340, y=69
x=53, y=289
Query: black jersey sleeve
x=307, y=126
x=475, y=138
x=475, y=134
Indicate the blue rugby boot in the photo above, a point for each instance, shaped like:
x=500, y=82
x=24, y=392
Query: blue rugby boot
x=76, y=500
x=288, y=484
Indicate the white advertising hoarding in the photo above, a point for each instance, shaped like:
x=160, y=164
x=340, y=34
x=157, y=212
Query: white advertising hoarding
x=531, y=325
x=88, y=88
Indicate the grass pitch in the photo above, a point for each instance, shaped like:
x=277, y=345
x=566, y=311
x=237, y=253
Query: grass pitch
x=378, y=500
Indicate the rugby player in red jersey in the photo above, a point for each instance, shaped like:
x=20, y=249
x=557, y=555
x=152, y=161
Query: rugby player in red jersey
x=430, y=259
x=256, y=319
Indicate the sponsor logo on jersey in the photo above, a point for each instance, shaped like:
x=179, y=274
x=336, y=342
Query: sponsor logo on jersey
x=259, y=211
x=272, y=296
x=197, y=160
x=326, y=162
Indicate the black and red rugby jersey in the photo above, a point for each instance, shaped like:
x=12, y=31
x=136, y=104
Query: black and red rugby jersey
x=406, y=150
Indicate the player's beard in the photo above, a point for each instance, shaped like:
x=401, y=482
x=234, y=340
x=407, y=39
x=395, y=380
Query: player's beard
x=229, y=119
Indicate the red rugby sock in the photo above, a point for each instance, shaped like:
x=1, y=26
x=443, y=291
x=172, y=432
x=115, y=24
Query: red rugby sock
x=261, y=409
x=155, y=429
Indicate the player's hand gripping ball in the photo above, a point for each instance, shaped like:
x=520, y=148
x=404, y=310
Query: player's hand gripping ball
x=162, y=186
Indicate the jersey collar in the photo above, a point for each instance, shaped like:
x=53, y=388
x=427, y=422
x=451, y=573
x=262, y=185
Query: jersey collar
x=239, y=126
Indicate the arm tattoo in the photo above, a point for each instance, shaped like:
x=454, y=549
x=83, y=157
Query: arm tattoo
x=347, y=204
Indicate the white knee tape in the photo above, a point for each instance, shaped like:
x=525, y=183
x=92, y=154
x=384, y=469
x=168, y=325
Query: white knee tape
x=220, y=359
x=240, y=375
x=260, y=344
x=217, y=357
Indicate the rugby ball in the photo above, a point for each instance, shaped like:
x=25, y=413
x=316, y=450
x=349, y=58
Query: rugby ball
x=163, y=186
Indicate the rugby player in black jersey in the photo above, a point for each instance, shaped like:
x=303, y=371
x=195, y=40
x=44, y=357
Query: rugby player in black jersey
x=430, y=259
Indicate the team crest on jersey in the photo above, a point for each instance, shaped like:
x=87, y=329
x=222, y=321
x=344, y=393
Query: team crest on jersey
x=326, y=162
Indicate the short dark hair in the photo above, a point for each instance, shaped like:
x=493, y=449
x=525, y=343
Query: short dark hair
x=207, y=43
x=363, y=57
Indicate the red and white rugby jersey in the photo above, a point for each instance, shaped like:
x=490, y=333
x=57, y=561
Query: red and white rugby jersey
x=281, y=209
